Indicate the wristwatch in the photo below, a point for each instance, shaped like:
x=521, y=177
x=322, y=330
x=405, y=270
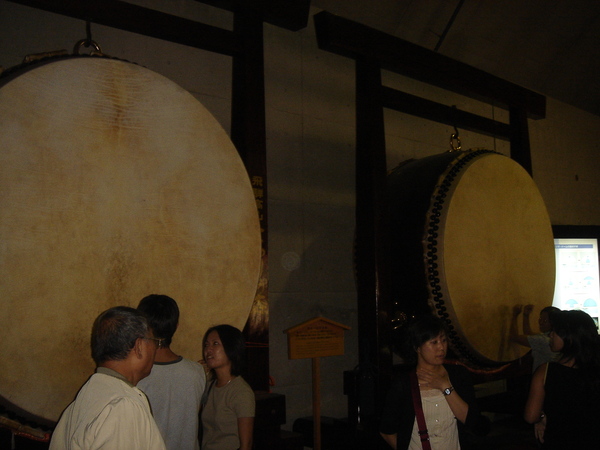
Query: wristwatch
x=448, y=391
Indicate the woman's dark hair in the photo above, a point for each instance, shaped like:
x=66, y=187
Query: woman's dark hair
x=580, y=342
x=162, y=313
x=419, y=331
x=233, y=344
x=551, y=312
x=115, y=332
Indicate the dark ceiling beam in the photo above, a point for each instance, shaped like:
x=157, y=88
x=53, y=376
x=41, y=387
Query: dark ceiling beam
x=144, y=21
x=354, y=40
x=576, y=231
x=426, y=109
x=289, y=14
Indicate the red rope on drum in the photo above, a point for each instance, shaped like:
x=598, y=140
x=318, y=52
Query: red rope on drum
x=19, y=429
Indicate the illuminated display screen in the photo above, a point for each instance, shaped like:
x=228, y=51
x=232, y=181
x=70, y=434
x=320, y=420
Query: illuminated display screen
x=577, y=275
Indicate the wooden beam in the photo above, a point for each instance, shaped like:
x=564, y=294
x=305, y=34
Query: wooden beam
x=427, y=109
x=144, y=21
x=289, y=14
x=576, y=231
x=354, y=40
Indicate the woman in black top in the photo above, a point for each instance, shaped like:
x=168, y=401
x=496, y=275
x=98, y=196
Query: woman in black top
x=564, y=398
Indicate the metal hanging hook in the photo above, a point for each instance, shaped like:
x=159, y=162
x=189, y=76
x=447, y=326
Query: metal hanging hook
x=87, y=42
x=454, y=136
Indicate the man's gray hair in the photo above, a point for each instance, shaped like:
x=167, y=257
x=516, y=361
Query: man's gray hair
x=115, y=332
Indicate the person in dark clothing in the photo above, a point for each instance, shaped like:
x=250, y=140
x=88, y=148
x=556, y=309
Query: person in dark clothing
x=446, y=393
x=564, y=395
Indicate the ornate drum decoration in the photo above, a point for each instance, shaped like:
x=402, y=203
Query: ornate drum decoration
x=470, y=238
x=115, y=183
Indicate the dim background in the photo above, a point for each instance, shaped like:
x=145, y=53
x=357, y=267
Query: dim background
x=310, y=119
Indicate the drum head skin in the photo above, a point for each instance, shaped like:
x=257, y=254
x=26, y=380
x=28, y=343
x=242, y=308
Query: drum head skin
x=498, y=251
x=115, y=183
x=486, y=246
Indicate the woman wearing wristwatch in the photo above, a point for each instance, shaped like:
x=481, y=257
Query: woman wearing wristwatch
x=444, y=393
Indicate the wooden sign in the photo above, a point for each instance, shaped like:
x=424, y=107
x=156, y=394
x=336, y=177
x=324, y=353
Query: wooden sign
x=312, y=339
x=316, y=338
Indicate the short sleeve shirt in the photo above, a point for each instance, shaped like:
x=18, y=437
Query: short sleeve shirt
x=224, y=405
x=540, y=349
x=174, y=390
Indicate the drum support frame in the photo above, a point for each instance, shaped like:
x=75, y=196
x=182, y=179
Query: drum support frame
x=373, y=51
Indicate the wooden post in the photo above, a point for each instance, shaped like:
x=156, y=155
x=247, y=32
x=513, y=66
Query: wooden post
x=248, y=133
x=312, y=339
x=520, y=149
x=316, y=381
x=372, y=243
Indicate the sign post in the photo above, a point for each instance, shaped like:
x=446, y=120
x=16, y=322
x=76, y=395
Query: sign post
x=313, y=339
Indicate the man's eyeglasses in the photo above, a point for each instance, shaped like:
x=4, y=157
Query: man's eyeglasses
x=159, y=342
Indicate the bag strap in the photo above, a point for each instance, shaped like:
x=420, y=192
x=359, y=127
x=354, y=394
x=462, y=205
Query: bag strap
x=416, y=397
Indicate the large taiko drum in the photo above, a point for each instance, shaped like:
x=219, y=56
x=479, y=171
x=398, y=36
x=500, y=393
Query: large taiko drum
x=115, y=183
x=470, y=238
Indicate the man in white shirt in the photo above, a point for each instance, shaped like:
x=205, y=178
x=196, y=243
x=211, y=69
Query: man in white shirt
x=538, y=342
x=109, y=410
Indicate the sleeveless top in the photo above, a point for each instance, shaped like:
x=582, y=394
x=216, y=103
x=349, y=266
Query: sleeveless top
x=441, y=423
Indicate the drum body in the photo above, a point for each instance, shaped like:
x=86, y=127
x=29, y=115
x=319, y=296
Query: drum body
x=470, y=238
x=115, y=183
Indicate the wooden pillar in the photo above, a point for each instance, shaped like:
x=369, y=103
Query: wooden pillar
x=520, y=149
x=248, y=133
x=374, y=304
x=316, y=380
